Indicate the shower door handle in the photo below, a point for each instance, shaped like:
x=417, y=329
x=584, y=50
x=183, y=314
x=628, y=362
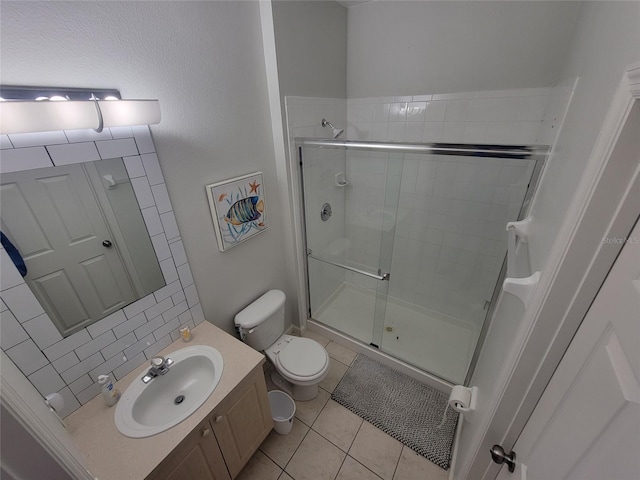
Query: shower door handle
x=384, y=276
x=380, y=276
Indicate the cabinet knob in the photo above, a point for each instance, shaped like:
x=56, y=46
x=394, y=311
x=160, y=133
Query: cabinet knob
x=219, y=418
x=206, y=432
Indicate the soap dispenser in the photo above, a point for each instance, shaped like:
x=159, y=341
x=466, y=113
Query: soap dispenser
x=110, y=393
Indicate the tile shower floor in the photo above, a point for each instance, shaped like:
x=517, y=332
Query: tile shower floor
x=329, y=442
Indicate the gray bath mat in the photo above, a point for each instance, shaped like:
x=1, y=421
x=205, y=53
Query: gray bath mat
x=397, y=404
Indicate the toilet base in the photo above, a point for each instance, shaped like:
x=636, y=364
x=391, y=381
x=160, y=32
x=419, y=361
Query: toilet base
x=302, y=393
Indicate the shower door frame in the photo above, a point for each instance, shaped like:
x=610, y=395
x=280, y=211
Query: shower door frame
x=537, y=153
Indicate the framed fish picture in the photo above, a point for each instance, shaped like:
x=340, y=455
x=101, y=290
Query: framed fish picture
x=238, y=208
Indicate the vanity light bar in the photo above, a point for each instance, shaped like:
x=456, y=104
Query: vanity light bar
x=70, y=109
x=11, y=92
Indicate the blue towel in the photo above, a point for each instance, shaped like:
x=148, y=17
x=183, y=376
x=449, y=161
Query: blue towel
x=14, y=255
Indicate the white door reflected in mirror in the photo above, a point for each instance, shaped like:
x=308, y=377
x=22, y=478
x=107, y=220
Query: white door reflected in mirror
x=82, y=237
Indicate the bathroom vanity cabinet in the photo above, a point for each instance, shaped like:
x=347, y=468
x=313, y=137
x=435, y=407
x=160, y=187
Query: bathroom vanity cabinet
x=220, y=446
x=215, y=442
x=197, y=457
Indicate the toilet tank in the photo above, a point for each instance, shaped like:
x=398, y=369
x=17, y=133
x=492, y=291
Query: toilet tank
x=262, y=322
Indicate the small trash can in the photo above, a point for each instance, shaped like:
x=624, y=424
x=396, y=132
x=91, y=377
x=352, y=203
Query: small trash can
x=283, y=408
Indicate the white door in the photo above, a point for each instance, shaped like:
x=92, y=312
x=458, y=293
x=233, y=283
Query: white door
x=587, y=423
x=74, y=269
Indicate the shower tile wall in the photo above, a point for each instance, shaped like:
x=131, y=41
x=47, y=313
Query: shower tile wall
x=450, y=228
x=327, y=239
x=449, y=239
x=499, y=116
x=127, y=338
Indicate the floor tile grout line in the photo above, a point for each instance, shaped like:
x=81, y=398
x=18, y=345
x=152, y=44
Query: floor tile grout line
x=310, y=428
x=355, y=459
x=332, y=443
x=341, y=465
x=397, y=463
x=354, y=437
x=295, y=451
x=364, y=466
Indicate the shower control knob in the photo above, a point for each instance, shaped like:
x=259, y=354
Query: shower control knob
x=499, y=456
x=326, y=212
x=106, y=243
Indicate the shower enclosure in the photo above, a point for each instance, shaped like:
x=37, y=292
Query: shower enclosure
x=406, y=242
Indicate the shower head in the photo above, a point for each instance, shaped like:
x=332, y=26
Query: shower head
x=336, y=131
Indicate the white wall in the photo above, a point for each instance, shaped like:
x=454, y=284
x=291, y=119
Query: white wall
x=204, y=62
x=408, y=48
x=311, y=43
x=606, y=41
x=311, y=49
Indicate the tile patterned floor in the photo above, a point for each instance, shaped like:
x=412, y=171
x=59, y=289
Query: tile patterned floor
x=328, y=442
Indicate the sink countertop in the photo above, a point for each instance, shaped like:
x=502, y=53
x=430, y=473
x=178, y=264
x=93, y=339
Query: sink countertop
x=112, y=456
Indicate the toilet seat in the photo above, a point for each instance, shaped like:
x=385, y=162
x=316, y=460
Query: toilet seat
x=302, y=360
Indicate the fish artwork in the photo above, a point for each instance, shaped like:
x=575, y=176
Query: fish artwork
x=239, y=209
x=245, y=210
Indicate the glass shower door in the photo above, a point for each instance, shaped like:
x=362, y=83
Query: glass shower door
x=406, y=242
x=448, y=253
x=350, y=209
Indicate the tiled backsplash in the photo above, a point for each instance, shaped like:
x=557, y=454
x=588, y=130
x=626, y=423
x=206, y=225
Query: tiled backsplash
x=129, y=337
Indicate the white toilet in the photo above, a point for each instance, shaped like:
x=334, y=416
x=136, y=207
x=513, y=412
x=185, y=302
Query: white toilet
x=300, y=363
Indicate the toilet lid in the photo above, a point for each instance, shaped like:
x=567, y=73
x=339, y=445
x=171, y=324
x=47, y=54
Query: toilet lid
x=303, y=357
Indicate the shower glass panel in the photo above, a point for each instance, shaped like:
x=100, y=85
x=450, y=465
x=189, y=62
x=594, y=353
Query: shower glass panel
x=433, y=220
x=349, y=251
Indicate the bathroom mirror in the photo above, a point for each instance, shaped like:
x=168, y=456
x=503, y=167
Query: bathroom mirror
x=81, y=235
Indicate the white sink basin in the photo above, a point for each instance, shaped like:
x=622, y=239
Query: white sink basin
x=147, y=409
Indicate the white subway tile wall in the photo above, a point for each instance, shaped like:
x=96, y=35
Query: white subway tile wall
x=500, y=116
x=119, y=343
x=16, y=159
x=448, y=243
x=5, y=142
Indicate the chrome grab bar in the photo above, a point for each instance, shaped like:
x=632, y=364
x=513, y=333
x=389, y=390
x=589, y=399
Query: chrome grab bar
x=380, y=276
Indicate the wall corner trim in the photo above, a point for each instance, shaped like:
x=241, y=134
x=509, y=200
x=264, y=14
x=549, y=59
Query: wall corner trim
x=633, y=77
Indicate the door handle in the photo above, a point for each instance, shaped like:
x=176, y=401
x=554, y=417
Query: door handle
x=379, y=276
x=499, y=456
x=106, y=243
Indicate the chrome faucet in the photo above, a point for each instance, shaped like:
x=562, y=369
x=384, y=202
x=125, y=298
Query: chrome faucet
x=159, y=366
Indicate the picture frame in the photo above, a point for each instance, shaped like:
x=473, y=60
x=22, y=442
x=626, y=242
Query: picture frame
x=238, y=209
